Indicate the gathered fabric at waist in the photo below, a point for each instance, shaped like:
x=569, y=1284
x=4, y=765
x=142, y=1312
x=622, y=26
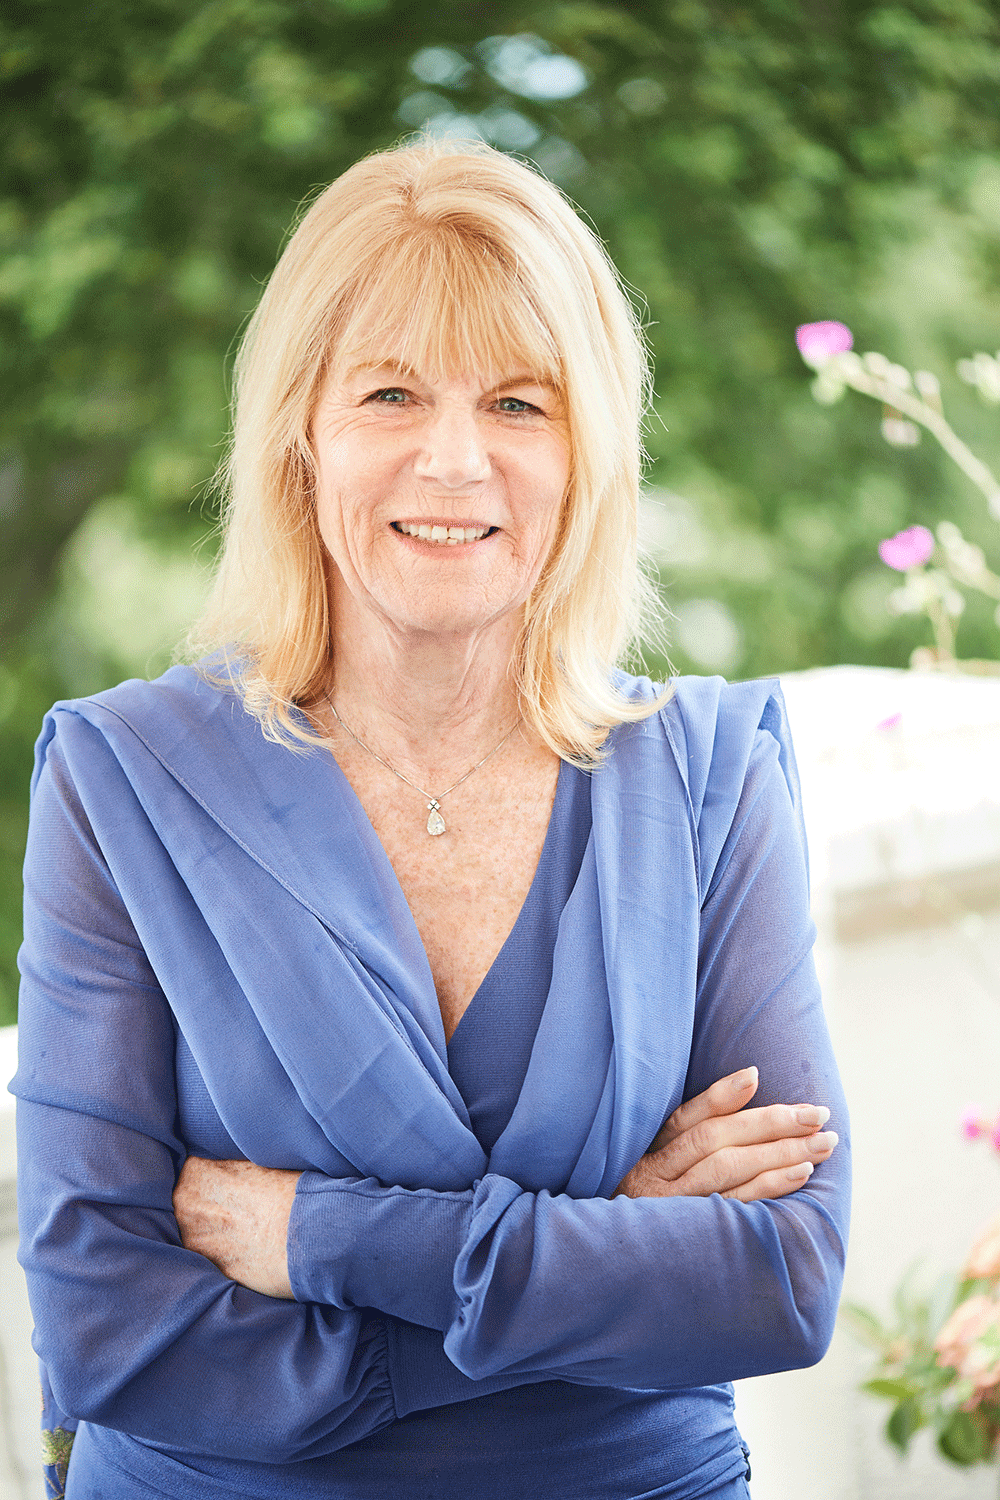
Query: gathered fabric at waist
x=553, y=1439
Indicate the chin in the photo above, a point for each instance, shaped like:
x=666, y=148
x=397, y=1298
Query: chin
x=444, y=617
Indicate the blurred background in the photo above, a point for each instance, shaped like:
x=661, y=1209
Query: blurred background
x=752, y=167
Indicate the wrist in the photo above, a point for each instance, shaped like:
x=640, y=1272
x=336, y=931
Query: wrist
x=353, y=1243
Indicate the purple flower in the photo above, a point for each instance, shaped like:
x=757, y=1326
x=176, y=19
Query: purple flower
x=819, y=342
x=907, y=549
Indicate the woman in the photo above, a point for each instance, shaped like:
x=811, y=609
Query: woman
x=395, y=981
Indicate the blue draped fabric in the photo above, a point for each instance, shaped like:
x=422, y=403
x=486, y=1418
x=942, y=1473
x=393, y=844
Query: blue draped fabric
x=197, y=894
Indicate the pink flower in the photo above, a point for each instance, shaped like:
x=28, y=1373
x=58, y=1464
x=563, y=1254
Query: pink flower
x=968, y=1343
x=893, y=721
x=984, y=1257
x=819, y=342
x=970, y=1123
x=907, y=549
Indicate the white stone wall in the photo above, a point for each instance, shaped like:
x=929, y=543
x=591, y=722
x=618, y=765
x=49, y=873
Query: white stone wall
x=904, y=826
x=20, y=1474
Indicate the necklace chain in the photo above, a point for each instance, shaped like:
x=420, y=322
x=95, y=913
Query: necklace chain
x=435, y=822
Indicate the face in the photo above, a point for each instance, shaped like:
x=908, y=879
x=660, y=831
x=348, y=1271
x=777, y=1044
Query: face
x=438, y=499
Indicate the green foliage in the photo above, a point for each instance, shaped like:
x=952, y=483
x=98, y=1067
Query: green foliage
x=750, y=167
x=905, y=1420
x=923, y=1392
x=967, y=1438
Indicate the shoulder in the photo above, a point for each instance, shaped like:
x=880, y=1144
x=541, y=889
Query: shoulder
x=711, y=728
x=726, y=744
x=727, y=729
x=186, y=706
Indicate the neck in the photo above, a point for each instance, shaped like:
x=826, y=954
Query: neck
x=428, y=703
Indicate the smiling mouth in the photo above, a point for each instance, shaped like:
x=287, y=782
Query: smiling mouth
x=443, y=536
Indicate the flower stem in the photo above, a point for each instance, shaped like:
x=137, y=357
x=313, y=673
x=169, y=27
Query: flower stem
x=944, y=631
x=918, y=411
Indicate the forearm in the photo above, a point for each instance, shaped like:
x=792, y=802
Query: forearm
x=650, y=1293
x=140, y=1334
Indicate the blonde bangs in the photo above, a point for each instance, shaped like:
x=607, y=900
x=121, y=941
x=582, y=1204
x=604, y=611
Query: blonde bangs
x=442, y=304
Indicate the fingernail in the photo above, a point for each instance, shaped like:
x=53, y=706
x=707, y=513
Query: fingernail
x=801, y=1173
x=741, y=1079
x=812, y=1114
x=825, y=1141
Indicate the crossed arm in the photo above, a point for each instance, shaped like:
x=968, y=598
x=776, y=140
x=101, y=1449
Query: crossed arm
x=633, y=1292
x=237, y=1214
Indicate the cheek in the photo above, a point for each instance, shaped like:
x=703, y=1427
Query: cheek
x=548, y=483
x=539, y=468
x=347, y=496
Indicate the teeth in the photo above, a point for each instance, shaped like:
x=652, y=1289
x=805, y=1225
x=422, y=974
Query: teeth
x=450, y=536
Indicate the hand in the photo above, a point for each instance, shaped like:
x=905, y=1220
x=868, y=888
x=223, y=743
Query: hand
x=712, y=1144
x=236, y=1215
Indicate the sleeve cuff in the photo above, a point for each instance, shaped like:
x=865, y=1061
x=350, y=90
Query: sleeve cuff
x=353, y=1243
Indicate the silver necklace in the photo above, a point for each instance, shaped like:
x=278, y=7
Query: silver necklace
x=435, y=823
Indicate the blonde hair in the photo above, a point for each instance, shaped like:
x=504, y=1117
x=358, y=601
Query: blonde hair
x=449, y=260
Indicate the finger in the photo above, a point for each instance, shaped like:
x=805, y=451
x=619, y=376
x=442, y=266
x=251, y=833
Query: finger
x=749, y=1127
x=734, y=1166
x=777, y=1184
x=725, y=1097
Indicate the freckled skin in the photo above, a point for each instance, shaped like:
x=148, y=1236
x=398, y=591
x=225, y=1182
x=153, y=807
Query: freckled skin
x=466, y=887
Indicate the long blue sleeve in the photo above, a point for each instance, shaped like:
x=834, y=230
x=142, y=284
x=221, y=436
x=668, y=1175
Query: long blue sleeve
x=651, y=1293
x=128, y=1322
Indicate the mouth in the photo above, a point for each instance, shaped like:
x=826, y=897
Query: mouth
x=443, y=536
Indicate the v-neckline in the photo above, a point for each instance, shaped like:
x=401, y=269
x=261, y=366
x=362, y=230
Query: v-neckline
x=544, y=857
x=397, y=890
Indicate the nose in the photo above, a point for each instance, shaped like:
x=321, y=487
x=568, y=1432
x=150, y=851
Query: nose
x=452, y=453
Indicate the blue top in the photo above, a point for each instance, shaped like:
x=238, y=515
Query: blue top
x=218, y=959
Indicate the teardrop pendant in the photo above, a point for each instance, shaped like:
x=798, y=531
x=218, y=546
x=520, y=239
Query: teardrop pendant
x=435, y=822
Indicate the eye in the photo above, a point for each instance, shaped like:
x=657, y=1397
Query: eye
x=515, y=406
x=391, y=396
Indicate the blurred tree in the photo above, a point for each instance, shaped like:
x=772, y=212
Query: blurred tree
x=752, y=166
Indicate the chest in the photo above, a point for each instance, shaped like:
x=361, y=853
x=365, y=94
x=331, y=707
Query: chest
x=465, y=887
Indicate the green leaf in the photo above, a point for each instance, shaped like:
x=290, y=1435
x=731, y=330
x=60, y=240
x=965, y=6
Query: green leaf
x=903, y=1423
x=964, y=1440
x=894, y=1390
